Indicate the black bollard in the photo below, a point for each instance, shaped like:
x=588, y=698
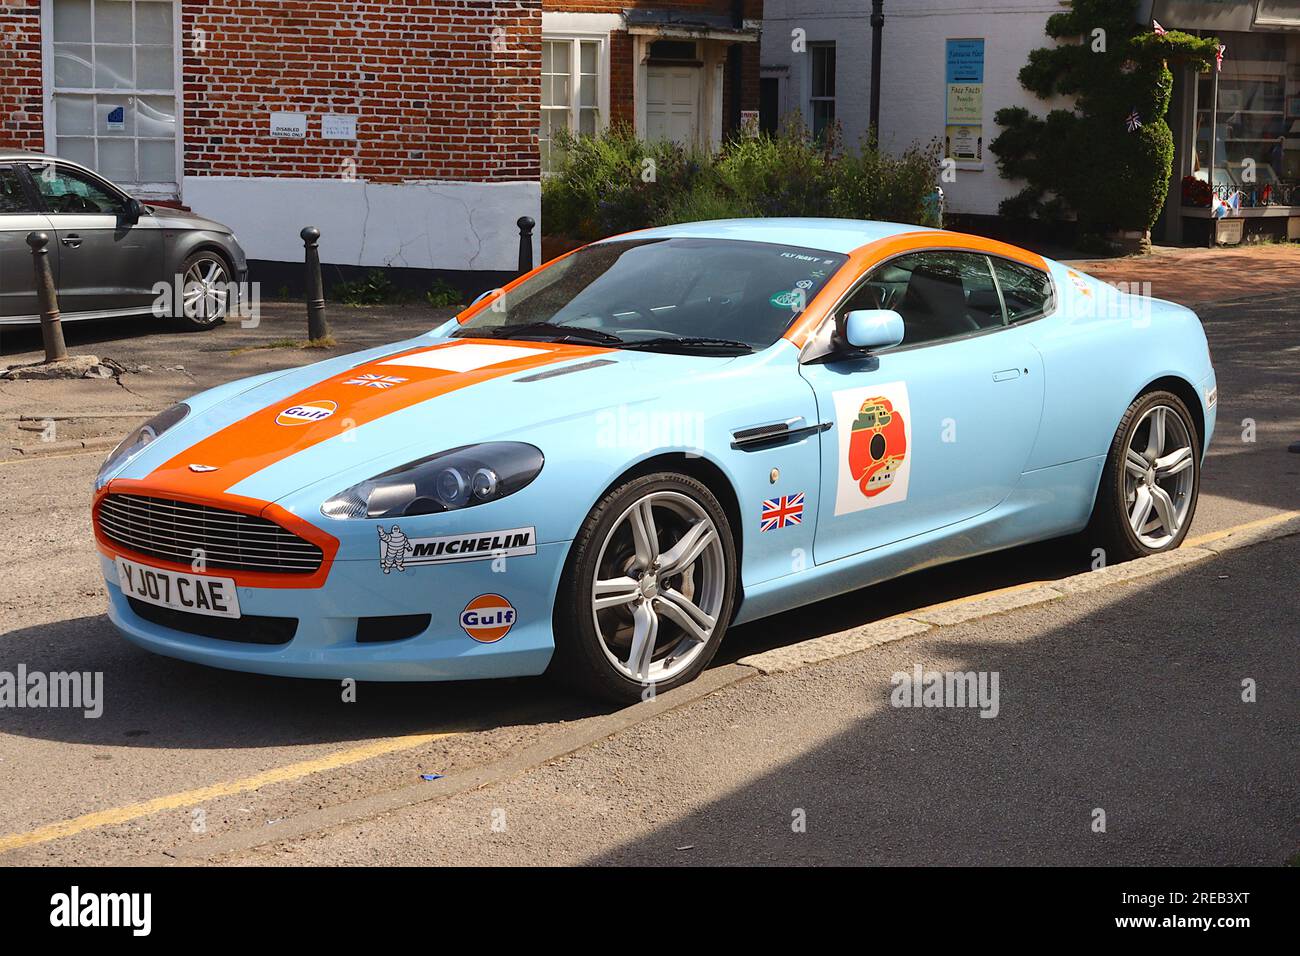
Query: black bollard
x=526, y=225
x=51, y=326
x=317, y=328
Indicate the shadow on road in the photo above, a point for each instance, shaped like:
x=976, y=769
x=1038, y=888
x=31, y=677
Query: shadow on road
x=1134, y=706
x=154, y=701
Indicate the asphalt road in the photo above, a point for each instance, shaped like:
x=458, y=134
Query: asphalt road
x=1126, y=701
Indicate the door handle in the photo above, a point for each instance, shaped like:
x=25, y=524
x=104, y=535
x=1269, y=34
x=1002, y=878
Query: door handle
x=71, y=240
x=1006, y=375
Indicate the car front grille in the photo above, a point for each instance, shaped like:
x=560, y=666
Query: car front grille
x=249, y=629
x=175, y=530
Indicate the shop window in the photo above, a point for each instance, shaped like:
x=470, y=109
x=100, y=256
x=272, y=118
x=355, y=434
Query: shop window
x=1251, y=121
x=571, y=91
x=114, y=89
x=821, y=105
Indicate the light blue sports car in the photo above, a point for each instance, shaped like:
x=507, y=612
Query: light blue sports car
x=597, y=470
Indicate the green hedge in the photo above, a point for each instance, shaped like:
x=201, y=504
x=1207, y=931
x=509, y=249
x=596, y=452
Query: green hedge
x=615, y=182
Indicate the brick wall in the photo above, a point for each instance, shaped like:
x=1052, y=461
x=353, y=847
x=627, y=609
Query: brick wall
x=21, y=118
x=622, y=105
x=445, y=89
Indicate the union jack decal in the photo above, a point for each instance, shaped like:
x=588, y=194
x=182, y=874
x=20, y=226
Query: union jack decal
x=779, y=512
x=367, y=380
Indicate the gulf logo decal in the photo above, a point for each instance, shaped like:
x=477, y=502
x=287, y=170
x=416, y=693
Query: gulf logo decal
x=488, y=618
x=875, y=431
x=306, y=413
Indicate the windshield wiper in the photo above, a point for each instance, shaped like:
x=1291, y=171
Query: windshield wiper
x=544, y=330
x=693, y=343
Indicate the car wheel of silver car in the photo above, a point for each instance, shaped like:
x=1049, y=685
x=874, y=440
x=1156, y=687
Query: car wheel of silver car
x=648, y=591
x=206, y=288
x=1151, y=480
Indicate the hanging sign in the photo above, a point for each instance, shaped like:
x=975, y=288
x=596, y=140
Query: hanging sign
x=964, y=102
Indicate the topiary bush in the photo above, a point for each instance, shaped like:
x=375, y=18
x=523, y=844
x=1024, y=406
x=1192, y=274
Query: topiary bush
x=1085, y=162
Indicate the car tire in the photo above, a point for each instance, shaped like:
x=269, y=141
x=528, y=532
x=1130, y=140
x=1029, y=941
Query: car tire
x=674, y=596
x=1158, y=475
x=209, y=268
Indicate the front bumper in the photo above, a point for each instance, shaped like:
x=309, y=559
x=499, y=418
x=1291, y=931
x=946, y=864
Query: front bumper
x=325, y=643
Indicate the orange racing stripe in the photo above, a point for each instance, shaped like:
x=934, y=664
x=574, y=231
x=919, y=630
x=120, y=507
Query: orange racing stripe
x=866, y=257
x=246, y=447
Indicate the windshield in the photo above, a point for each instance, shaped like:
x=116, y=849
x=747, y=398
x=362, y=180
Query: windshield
x=664, y=293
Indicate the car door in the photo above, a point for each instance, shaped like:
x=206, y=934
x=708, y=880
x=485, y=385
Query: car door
x=18, y=218
x=106, y=262
x=935, y=430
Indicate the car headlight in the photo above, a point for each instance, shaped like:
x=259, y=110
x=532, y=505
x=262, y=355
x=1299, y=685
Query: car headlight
x=135, y=442
x=448, y=481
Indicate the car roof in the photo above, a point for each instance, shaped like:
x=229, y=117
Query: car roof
x=8, y=155
x=828, y=235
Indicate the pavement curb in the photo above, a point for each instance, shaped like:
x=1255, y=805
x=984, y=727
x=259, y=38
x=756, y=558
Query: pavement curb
x=830, y=646
x=25, y=452
x=855, y=640
x=1249, y=536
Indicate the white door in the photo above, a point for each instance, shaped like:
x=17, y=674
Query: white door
x=672, y=103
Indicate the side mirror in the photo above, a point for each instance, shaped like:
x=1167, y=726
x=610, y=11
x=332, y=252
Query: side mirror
x=133, y=211
x=871, y=329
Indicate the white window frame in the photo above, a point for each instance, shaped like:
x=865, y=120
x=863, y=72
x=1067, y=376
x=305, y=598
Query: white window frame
x=812, y=77
x=574, y=39
x=170, y=190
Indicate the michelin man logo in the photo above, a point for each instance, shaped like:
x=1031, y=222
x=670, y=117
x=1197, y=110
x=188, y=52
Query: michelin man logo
x=393, y=548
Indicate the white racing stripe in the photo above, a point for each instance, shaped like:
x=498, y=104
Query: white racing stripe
x=463, y=358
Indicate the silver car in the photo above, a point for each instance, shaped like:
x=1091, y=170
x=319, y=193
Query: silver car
x=108, y=250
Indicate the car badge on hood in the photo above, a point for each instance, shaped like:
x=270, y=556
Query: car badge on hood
x=203, y=468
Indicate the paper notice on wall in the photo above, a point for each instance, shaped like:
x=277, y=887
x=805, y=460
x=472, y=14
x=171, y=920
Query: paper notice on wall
x=337, y=126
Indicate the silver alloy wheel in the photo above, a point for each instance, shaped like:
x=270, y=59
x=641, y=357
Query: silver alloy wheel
x=206, y=291
x=1159, y=474
x=659, y=586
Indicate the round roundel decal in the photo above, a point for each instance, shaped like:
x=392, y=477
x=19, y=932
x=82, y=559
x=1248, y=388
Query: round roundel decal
x=488, y=618
x=877, y=447
x=306, y=413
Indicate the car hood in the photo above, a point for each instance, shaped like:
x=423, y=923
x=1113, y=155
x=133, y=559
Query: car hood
x=359, y=415
x=169, y=217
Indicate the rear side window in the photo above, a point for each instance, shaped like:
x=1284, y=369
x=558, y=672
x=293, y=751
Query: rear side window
x=12, y=197
x=1026, y=291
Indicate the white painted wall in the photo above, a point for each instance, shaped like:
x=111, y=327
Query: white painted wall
x=422, y=225
x=912, y=81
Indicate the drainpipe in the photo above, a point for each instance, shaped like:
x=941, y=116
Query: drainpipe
x=877, y=26
x=736, y=68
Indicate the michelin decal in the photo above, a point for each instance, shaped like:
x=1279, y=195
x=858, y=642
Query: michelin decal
x=397, y=551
